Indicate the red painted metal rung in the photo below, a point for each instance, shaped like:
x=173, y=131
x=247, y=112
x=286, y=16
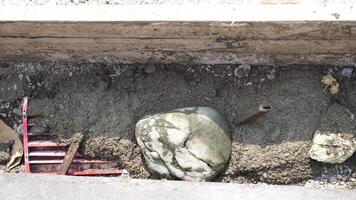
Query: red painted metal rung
x=45, y=143
x=45, y=167
x=96, y=172
x=50, y=154
x=46, y=157
x=91, y=172
x=75, y=161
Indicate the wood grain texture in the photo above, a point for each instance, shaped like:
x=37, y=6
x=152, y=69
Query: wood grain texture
x=267, y=43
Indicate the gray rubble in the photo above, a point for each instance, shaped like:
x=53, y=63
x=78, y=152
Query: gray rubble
x=242, y=71
x=332, y=147
x=334, y=177
x=335, y=139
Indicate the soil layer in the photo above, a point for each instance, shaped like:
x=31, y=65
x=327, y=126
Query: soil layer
x=105, y=101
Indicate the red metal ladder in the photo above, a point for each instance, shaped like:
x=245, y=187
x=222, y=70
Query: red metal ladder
x=46, y=157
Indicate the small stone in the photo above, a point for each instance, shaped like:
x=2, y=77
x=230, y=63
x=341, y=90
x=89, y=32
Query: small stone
x=271, y=74
x=264, y=175
x=331, y=147
x=28, y=79
x=347, y=72
x=61, y=106
x=6, y=104
x=150, y=69
x=333, y=179
x=70, y=74
x=17, y=111
x=283, y=162
x=242, y=71
x=20, y=76
x=19, y=129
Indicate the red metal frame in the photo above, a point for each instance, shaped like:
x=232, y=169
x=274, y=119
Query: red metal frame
x=46, y=157
x=25, y=134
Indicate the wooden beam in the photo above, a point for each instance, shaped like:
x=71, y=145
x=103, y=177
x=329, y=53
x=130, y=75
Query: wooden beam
x=260, y=43
x=181, y=30
x=70, y=154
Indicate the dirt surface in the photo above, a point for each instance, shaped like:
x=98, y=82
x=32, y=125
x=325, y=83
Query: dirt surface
x=253, y=163
x=126, y=152
x=105, y=101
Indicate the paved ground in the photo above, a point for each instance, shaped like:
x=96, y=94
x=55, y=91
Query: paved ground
x=16, y=187
x=169, y=2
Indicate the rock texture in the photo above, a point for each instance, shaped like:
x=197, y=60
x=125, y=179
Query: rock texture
x=189, y=143
x=331, y=147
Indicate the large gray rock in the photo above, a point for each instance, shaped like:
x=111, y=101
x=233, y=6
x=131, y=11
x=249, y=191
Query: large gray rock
x=331, y=147
x=189, y=143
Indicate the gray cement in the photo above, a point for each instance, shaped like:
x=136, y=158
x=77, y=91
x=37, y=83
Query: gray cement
x=17, y=187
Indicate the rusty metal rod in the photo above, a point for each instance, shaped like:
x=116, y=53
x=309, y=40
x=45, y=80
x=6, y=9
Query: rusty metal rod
x=262, y=110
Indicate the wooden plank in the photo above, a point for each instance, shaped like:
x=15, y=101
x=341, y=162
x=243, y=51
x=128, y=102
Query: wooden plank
x=71, y=152
x=91, y=45
x=69, y=157
x=267, y=43
x=181, y=30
